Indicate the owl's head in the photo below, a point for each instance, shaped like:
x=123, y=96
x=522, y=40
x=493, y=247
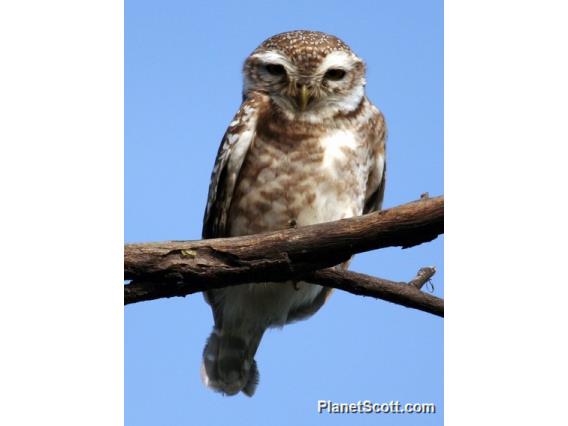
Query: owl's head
x=306, y=73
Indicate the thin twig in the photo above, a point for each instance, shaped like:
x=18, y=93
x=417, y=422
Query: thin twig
x=400, y=293
x=422, y=277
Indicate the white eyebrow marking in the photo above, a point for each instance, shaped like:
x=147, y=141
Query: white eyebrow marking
x=337, y=59
x=272, y=57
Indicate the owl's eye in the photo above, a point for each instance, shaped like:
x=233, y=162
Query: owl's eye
x=334, y=74
x=275, y=69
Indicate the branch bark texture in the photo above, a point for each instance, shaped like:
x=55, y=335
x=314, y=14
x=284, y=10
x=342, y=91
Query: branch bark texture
x=179, y=268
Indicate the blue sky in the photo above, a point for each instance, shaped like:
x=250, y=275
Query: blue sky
x=182, y=86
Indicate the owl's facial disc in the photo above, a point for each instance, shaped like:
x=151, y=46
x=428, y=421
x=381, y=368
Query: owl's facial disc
x=298, y=87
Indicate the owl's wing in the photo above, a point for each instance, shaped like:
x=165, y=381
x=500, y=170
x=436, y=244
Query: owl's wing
x=230, y=157
x=377, y=134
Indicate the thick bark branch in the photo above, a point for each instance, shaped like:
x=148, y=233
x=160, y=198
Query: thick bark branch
x=288, y=252
x=178, y=268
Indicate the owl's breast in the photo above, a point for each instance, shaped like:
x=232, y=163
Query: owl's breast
x=299, y=180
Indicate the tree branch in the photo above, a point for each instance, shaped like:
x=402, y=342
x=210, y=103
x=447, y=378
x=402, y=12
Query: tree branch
x=179, y=268
x=405, y=294
x=422, y=277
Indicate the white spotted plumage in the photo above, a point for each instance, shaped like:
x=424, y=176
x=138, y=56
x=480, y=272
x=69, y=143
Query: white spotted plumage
x=306, y=147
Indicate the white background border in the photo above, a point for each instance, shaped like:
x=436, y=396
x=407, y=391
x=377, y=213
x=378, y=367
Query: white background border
x=61, y=179
x=506, y=146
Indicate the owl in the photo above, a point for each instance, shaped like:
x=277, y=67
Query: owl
x=305, y=147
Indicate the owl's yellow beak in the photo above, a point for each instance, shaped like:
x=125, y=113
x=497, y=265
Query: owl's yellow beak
x=303, y=97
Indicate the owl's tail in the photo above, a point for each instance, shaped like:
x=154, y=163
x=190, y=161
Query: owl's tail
x=228, y=362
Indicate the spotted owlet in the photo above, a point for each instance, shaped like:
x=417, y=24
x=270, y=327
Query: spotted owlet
x=305, y=147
